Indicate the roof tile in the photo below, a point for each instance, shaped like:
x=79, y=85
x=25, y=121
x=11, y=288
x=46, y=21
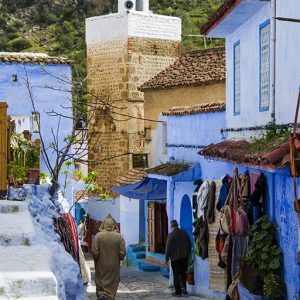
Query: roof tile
x=195, y=68
x=169, y=169
x=19, y=57
x=196, y=109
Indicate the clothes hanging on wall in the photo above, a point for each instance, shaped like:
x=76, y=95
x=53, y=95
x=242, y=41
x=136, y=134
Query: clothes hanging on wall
x=239, y=248
x=257, y=198
x=226, y=181
x=202, y=198
x=211, y=200
x=198, y=183
x=201, y=237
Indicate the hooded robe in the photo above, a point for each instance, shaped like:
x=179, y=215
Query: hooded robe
x=108, y=251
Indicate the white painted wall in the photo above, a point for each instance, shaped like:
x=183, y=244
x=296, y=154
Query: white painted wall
x=287, y=69
x=248, y=35
x=287, y=61
x=155, y=148
x=132, y=24
x=99, y=210
x=130, y=217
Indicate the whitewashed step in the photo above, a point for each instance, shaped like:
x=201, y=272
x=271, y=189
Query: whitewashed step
x=8, y=207
x=16, y=229
x=37, y=298
x=25, y=272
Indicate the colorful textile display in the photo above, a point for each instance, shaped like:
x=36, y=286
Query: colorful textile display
x=65, y=226
x=211, y=203
x=217, y=275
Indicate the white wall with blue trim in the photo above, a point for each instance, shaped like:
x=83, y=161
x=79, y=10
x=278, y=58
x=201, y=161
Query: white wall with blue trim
x=15, y=93
x=287, y=60
x=248, y=35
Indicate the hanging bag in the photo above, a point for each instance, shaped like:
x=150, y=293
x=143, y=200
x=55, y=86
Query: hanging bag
x=295, y=163
x=225, y=214
x=239, y=218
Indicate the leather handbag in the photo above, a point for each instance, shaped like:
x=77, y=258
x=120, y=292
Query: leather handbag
x=239, y=218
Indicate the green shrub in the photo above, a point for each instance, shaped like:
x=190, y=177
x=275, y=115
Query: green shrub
x=17, y=24
x=3, y=21
x=17, y=174
x=19, y=45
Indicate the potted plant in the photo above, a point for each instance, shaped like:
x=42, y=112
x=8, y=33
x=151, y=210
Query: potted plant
x=17, y=176
x=262, y=264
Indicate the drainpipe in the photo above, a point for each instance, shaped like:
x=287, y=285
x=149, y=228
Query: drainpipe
x=273, y=60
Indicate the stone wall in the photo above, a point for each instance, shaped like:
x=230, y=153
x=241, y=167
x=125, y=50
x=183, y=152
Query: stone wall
x=116, y=69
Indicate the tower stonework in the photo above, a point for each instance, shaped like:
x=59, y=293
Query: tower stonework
x=124, y=50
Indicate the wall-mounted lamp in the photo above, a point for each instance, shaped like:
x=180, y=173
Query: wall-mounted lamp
x=15, y=78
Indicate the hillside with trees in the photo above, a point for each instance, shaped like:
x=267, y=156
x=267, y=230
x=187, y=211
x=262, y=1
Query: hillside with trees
x=57, y=27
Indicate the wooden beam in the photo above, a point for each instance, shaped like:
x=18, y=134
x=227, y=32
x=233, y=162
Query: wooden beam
x=288, y=20
x=3, y=148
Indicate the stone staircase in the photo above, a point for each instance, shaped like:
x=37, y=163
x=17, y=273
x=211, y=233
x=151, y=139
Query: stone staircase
x=25, y=271
x=136, y=256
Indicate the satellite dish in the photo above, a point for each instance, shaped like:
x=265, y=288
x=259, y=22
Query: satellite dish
x=129, y=5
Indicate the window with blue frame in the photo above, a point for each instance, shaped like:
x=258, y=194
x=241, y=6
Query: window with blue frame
x=264, y=85
x=237, y=77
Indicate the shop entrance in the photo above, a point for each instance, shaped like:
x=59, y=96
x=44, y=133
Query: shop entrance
x=157, y=227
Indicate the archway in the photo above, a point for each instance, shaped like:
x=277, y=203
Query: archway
x=186, y=216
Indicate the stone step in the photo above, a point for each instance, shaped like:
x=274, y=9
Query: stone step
x=148, y=266
x=16, y=228
x=38, y=298
x=10, y=207
x=138, y=248
x=139, y=255
x=25, y=271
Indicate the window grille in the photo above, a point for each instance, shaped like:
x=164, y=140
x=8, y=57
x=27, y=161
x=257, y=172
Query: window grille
x=265, y=66
x=237, y=78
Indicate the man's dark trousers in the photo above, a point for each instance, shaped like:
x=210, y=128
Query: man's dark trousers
x=180, y=267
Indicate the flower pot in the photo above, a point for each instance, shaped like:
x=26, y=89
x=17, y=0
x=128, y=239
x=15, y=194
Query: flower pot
x=33, y=176
x=16, y=194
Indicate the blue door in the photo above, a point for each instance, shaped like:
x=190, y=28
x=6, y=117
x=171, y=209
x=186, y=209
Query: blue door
x=186, y=217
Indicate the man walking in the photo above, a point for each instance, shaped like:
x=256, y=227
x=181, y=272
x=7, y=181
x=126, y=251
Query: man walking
x=108, y=251
x=178, y=250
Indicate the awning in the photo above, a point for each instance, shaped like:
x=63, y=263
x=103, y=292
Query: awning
x=147, y=189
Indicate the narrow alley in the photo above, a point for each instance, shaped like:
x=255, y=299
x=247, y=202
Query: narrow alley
x=136, y=284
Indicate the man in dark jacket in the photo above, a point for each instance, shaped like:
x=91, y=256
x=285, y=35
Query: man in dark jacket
x=178, y=250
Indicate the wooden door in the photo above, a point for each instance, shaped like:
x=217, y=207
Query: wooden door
x=151, y=227
x=157, y=227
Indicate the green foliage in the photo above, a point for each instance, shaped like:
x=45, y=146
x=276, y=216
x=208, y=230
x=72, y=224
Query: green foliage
x=25, y=153
x=273, y=286
x=44, y=177
x=17, y=174
x=59, y=26
x=271, y=139
x=19, y=45
x=264, y=254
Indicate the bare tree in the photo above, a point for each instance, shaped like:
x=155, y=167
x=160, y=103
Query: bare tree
x=108, y=108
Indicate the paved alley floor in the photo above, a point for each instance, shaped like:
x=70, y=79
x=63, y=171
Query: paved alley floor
x=136, y=284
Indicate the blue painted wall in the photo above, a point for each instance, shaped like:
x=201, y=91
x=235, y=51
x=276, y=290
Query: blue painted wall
x=19, y=104
x=278, y=202
x=198, y=130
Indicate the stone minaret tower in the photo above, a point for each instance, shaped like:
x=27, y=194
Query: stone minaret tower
x=124, y=50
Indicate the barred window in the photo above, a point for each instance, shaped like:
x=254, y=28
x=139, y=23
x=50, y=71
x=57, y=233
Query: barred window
x=265, y=66
x=237, y=78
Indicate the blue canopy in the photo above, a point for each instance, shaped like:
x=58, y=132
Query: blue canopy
x=147, y=189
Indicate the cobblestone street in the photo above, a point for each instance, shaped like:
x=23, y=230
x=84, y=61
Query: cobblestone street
x=136, y=284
